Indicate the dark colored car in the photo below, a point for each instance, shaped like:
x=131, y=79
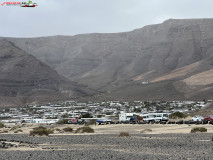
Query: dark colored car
x=209, y=118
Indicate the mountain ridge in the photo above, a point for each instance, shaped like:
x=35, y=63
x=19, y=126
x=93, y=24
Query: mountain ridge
x=24, y=79
x=165, y=55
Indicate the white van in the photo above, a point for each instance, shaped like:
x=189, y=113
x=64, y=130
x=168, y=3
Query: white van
x=155, y=117
x=160, y=116
x=148, y=118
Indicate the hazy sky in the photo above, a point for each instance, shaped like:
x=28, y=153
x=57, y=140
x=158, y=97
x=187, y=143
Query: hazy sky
x=71, y=17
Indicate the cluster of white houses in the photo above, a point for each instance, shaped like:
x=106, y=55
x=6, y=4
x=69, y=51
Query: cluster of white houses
x=110, y=110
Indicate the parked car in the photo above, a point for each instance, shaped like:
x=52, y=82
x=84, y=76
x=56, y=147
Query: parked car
x=148, y=118
x=73, y=121
x=197, y=118
x=104, y=121
x=209, y=118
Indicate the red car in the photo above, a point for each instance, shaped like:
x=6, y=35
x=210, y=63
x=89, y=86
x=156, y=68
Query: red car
x=209, y=118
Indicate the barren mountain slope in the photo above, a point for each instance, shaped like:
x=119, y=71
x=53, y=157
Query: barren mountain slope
x=24, y=79
x=121, y=61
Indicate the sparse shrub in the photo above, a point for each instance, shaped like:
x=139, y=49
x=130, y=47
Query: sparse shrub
x=86, y=115
x=124, y=134
x=23, y=125
x=41, y=131
x=84, y=130
x=5, y=131
x=19, y=130
x=57, y=129
x=2, y=125
x=68, y=129
x=62, y=121
x=198, y=129
x=91, y=122
x=177, y=115
x=146, y=130
x=14, y=128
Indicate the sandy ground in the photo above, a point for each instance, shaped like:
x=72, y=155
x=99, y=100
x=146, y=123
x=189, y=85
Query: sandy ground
x=115, y=128
x=146, y=141
x=151, y=128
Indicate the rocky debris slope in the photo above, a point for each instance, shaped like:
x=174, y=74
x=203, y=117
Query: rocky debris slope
x=5, y=144
x=137, y=146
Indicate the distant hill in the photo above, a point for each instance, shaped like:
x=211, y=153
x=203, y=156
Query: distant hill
x=24, y=79
x=175, y=58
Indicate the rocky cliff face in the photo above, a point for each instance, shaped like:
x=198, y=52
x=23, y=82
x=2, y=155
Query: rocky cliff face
x=175, y=57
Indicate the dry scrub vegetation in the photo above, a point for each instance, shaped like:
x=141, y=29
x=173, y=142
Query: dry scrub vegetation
x=84, y=130
x=124, y=134
x=68, y=129
x=41, y=131
x=198, y=129
x=146, y=130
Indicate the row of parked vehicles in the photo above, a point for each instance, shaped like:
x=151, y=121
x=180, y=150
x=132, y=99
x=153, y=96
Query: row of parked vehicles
x=157, y=117
x=149, y=117
x=201, y=118
x=124, y=118
x=137, y=118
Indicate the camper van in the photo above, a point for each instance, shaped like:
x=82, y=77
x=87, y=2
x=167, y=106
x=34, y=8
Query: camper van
x=124, y=117
x=127, y=117
x=155, y=117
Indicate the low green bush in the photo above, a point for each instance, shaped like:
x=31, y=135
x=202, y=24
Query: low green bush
x=5, y=131
x=124, y=134
x=177, y=115
x=91, y=122
x=41, y=131
x=2, y=125
x=14, y=128
x=57, y=129
x=62, y=121
x=19, y=130
x=68, y=129
x=198, y=129
x=84, y=130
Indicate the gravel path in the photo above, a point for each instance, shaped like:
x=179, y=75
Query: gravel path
x=87, y=147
